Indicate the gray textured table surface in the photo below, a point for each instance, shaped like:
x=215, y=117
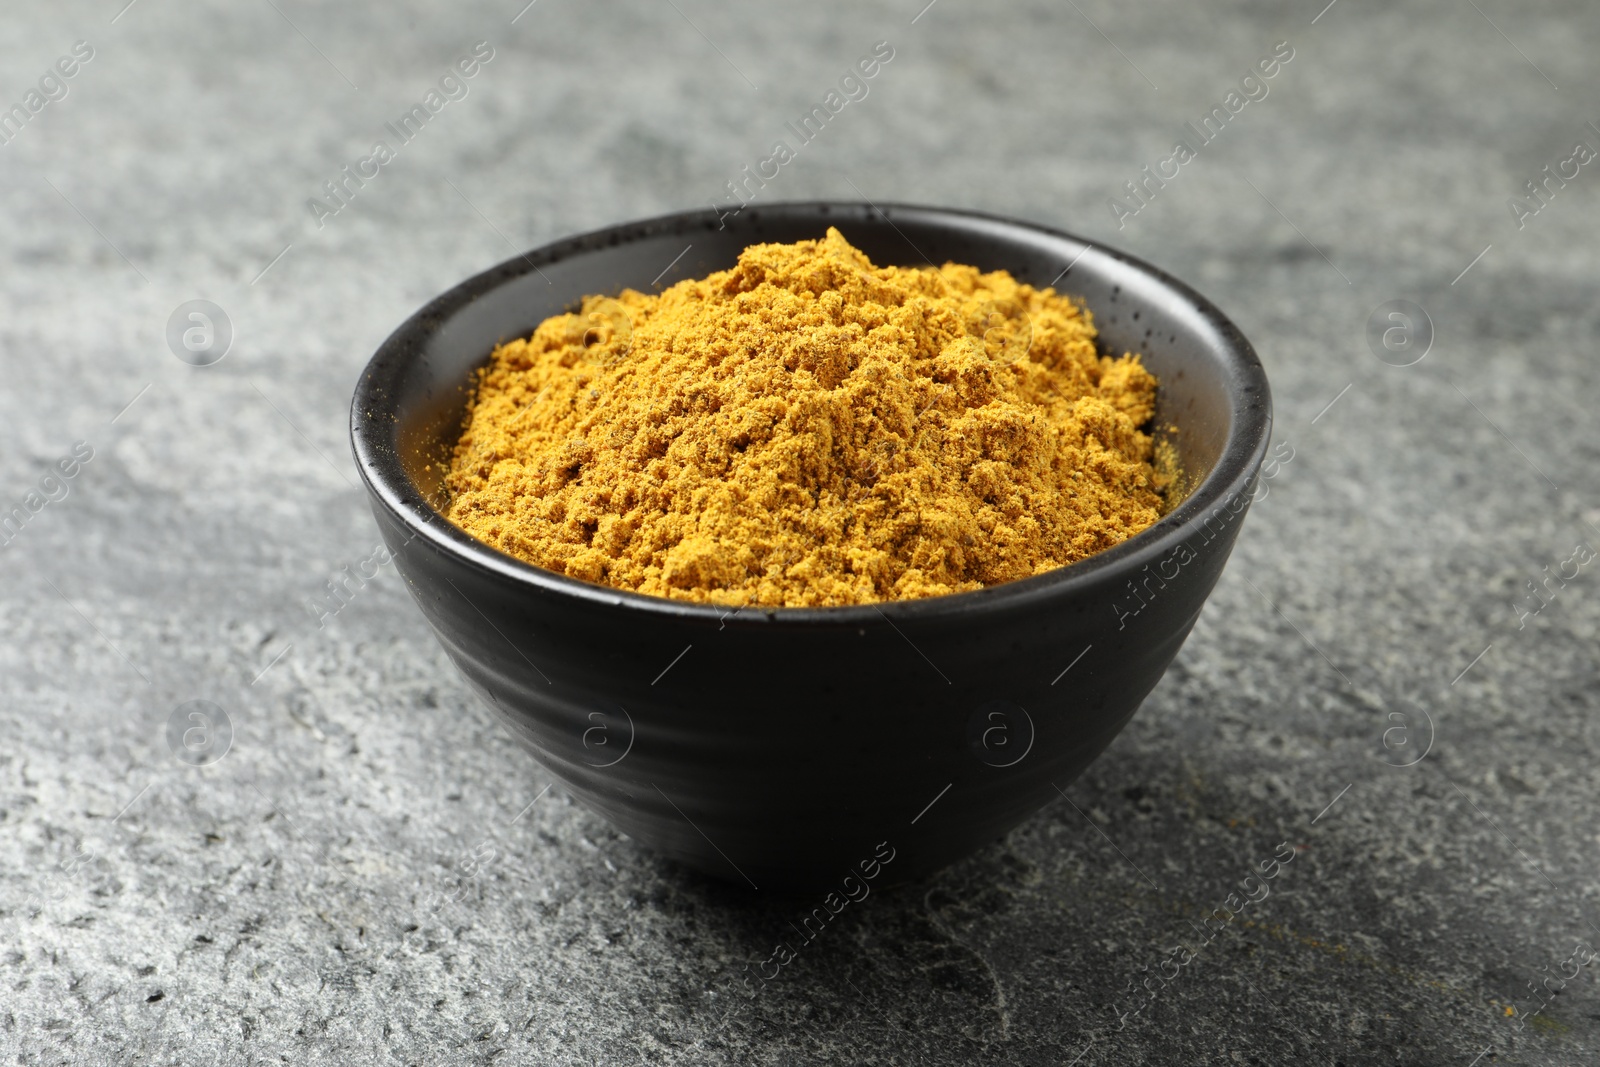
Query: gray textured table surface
x=282, y=904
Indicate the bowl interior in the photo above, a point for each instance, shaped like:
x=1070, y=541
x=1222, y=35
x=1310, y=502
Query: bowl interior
x=1211, y=386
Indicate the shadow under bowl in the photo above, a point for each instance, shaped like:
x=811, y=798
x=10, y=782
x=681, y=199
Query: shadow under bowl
x=796, y=748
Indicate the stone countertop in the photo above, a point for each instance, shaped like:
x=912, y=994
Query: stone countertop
x=374, y=873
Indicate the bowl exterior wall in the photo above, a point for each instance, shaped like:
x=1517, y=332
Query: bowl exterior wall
x=786, y=755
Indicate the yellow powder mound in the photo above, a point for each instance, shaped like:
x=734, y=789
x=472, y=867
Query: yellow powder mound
x=807, y=429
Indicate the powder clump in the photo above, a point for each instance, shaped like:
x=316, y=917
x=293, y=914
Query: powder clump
x=807, y=429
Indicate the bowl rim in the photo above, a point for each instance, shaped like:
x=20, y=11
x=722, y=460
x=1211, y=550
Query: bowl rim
x=1231, y=476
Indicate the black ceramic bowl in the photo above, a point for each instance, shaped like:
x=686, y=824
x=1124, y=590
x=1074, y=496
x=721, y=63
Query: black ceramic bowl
x=790, y=747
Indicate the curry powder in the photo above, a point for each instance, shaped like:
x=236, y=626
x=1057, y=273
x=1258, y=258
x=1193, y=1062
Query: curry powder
x=807, y=429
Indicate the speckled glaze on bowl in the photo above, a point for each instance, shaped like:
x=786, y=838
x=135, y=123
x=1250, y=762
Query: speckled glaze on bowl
x=787, y=748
